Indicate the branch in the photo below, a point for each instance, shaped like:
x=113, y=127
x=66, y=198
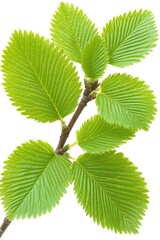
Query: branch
x=4, y=226
x=86, y=97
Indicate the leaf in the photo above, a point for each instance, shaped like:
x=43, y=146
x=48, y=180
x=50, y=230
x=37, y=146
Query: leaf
x=126, y=101
x=130, y=37
x=34, y=180
x=98, y=136
x=71, y=30
x=39, y=79
x=95, y=58
x=111, y=190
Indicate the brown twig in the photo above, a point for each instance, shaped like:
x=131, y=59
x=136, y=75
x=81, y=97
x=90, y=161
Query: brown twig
x=4, y=226
x=86, y=97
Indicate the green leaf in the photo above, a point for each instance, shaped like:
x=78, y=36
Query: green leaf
x=126, y=101
x=95, y=58
x=72, y=30
x=130, y=37
x=111, y=190
x=98, y=136
x=39, y=79
x=34, y=180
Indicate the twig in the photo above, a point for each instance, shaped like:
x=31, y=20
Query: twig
x=4, y=226
x=86, y=97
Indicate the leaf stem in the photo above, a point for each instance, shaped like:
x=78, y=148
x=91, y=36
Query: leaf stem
x=72, y=144
x=86, y=97
x=72, y=158
x=63, y=123
x=4, y=226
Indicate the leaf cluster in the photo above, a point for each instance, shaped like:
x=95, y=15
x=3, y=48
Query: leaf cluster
x=42, y=82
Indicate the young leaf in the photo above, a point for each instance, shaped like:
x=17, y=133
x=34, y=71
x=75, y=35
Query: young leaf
x=130, y=37
x=72, y=30
x=98, y=136
x=110, y=190
x=95, y=58
x=126, y=101
x=34, y=180
x=39, y=79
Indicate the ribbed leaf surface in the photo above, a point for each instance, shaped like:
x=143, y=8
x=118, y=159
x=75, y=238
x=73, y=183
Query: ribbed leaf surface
x=95, y=58
x=34, y=180
x=39, y=79
x=126, y=101
x=98, y=136
x=130, y=37
x=110, y=190
x=72, y=30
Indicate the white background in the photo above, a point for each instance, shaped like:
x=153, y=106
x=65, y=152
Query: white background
x=68, y=220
